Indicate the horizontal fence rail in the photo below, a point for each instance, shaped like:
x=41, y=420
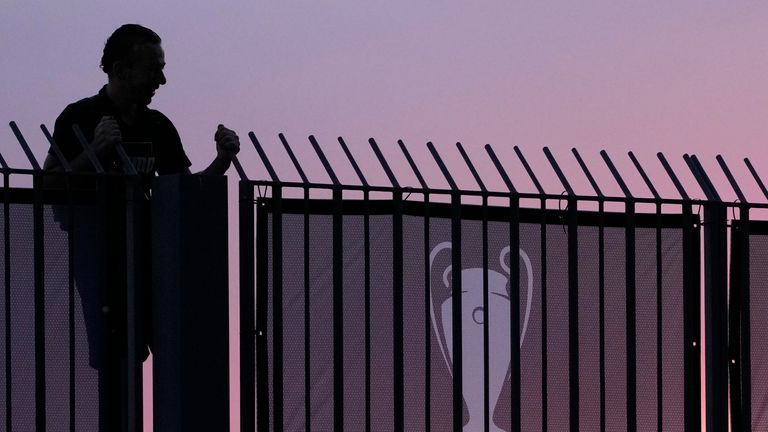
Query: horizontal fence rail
x=403, y=312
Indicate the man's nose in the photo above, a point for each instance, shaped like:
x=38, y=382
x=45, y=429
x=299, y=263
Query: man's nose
x=161, y=78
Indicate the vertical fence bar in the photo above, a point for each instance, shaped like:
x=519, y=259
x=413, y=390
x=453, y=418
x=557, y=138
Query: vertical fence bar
x=573, y=312
x=71, y=300
x=307, y=315
x=253, y=332
x=715, y=302
x=740, y=237
x=39, y=282
x=39, y=295
x=659, y=322
x=739, y=262
x=367, y=278
x=7, y=276
x=691, y=317
x=659, y=298
x=487, y=417
x=745, y=353
x=543, y=257
x=277, y=308
x=456, y=300
x=514, y=292
x=397, y=288
x=307, y=288
x=338, y=310
x=427, y=292
x=601, y=280
x=133, y=370
x=691, y=307
x=338, y=290
x=573, y=295
x=630, y=276
x=367, y=282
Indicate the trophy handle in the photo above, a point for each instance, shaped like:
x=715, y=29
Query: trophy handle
x=529, y=298
x=440, y=336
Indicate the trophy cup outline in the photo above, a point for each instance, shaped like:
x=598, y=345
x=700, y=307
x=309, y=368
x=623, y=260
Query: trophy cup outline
x=472, y=284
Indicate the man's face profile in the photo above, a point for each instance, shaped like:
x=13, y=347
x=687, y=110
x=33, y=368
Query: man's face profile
x=143, y=74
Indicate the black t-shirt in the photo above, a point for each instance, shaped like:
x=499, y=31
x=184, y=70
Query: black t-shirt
x=152, y=142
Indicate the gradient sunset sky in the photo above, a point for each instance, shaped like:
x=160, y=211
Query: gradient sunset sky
x=678, y=77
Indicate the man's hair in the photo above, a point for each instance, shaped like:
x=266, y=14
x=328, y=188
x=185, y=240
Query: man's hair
x=121, y=43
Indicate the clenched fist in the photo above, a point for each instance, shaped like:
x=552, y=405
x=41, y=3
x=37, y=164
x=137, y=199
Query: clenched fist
x=227, y=142
x=106, y=134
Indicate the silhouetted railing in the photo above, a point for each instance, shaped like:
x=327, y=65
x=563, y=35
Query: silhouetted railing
x=353, y=315
x=77, y=283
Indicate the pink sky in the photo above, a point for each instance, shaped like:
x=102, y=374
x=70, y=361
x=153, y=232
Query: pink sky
x=683, y=76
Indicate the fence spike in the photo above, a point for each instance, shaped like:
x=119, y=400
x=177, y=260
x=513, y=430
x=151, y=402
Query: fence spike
x=87, y=149
x=383, y=162
x=24, y=146
x=529, y=170
x=352, y=161
x=672, y=176
x=442, y=166
x=616, y=174
x=294, y=160
x=645, y=177
x=558, y=171
x=239, y=168
x=56, y=150
x=701, y=177
x=697, y=176
x=586, y=172
x=263, y=156
x=706, y=177
x=127, y=165
x=730, y=178
x=471, y=167
x=415, y=169
x=756, y=177
x=324, y=160
x=500, y=168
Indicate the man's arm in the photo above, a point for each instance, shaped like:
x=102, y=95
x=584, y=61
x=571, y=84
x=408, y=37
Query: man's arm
x=227, y=146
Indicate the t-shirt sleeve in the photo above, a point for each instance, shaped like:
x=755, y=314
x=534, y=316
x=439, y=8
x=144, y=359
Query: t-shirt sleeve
x=171, y=158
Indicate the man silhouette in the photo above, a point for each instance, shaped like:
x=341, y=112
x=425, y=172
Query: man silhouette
x=133, y=60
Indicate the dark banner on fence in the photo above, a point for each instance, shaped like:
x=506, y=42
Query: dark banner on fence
x=630, y=369
x=748, y=337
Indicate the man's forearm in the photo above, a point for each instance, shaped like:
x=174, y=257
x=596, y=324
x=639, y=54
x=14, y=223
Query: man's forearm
x=219, y=166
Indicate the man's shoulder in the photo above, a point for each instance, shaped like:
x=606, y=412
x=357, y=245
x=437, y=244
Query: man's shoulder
x=158, y=116
x=83, y=107
x=160, y=120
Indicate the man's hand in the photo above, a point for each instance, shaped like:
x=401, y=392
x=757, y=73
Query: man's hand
x=227, y=143
x=106, y=135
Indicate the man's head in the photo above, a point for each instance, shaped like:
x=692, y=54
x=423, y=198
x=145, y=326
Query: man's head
x=133, y=60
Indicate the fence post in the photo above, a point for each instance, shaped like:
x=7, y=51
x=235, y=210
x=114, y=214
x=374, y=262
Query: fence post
x=190, y=303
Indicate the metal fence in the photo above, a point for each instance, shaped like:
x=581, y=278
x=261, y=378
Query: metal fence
x=73, y=270
x=354, y=317
x=342, y=328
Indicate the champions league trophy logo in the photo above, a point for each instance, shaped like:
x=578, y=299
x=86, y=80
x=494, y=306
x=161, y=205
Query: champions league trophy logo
x=472, y=331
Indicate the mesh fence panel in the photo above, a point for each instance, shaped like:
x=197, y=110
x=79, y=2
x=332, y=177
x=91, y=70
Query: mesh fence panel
x=440, y=316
